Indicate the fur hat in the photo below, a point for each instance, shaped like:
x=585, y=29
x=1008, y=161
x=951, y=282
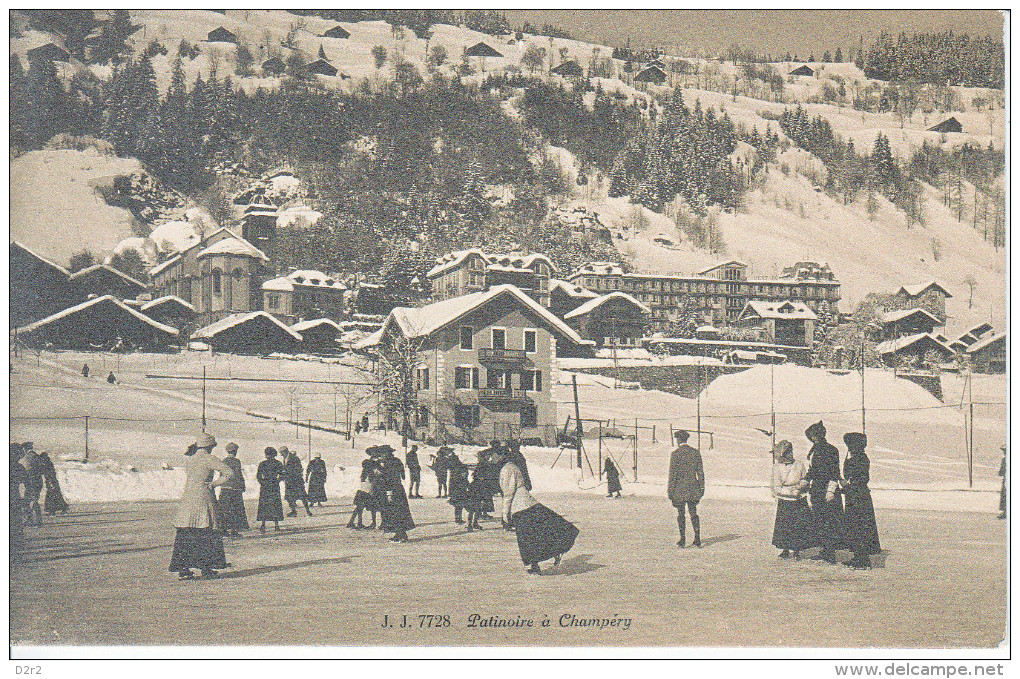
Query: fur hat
x=231, y=448
x=816, y=429
x=205, y=440
x=380, y=450
x=855, y=440
x=783, y=451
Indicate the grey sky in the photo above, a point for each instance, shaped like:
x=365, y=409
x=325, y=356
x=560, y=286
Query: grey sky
x=802, y=32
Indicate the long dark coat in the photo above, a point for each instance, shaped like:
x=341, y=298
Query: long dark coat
x=317, y=480
x=458, y=481
x=686, y=481
x=54, y=497
x=396, y=512
x=270, y=505
x=293, y=479
x=859, y=517
x=824, y=469
x=612, y=477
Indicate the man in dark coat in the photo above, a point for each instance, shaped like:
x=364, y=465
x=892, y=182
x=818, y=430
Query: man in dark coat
x=396, y=512
x=269, y=475
x=414, y=470
x=293, y=482
x=686, y=486
x=364, y=422
x=315, y=475
x=233, y=517
x=54, y=501
x=823, y=479
x=440, y=468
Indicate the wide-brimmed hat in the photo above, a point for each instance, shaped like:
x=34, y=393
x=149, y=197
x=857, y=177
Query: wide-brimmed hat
x=855, y=440
x=205, y=440
x=444, y=449
x=816, y=429
x=783, y=450
x=380, y=449
x=231, y=447
x=270, y=451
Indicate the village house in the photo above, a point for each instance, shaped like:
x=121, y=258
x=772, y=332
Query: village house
x=950, y=124
x=988, y=355
x=969, y=337
x=564, y=297
x=172, y=311
x=652, y=74
x=896, y=324
x=720, y=291
x=304, y=294
x=103, y=323
x=466, y=271
x=220, y=275
x=929, y=294
x=804, y=70
x=569, y=69
x=318, y=336
x=253, y=333
x=221, y=35
x=787, y=323
x=38, y=286
x=616, y=319
x=103, y=279
x=337, y=31
x=486, y=364
x=912, y=350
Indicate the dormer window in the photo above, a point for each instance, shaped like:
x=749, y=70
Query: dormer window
x=299, y=279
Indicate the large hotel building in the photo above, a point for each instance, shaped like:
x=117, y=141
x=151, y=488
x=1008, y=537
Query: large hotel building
x=721, y=290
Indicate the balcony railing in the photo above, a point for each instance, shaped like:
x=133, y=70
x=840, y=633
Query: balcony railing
x=496, y=394
x=514, y=356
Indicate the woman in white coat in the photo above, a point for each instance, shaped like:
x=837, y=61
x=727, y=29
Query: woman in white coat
x=794, y=527
x=198, y=543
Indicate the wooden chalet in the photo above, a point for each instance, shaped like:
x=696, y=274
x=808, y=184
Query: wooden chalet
x=318, y=336
x=950, y=124
x=48, y=52
x=569, y=69
x=337, y=31
x=803, y=70
x=274, y=66
x=652, y=74
x=38, y=286
x=616, y=319
x=481, y=49
x=103, y=279
x=102, y=323
x=254, y=333
x=221, y=35
x=322, y=67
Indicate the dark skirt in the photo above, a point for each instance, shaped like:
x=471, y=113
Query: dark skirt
x=459, y=491
x=415, y=474
x=317, y=489
x=396, y=514
x=270, y=505
x=829, y=522
x=55, y=501
x=542, y=534
x=200, y=548
x=365, y=501
x=795, y=526
x=613, y=482
x=861, y=528
x=232, y=513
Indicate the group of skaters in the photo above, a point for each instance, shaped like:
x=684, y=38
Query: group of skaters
x=35, y=488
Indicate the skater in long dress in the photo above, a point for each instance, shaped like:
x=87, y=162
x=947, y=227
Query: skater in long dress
x=315, y=474
x=367, y=495
x=612, y=479
x=542, y=534
x=826, y=506
x=794, y=528
x=859, y=516
x=54, y=501
x=487, y=476
x=269, y=475
x=33, y=490
x=198, y=543
x=396, y=512
x=458, y=484
x=293, y=482
x=414, y=471
x=233, y=516
x=479, y=496
x=85, y=370
x=686, y=486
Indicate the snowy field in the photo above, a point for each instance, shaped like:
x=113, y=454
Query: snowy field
x=99, y=576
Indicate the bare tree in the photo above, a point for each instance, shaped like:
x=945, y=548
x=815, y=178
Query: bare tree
x=399, y=359
x=971, y=283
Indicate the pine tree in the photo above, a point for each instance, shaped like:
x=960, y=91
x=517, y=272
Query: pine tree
x=839, y=56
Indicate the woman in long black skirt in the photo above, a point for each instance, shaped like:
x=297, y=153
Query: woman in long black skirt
x=396, y=515
x=861, y=528
x=542, y=534
x=269, y=475
x=315, y=474
x=458, y=487
x=231, y=501
x=198, y=543
x=794, y=528
x=612, y=479
x=54, y=501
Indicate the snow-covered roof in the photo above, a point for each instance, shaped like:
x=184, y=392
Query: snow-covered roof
x=593, y=304
x=598, y=268
x=96, y=267
x=509, y=269
x=982, y=343
x=180, y=235
x=784, y=309
x=713, y=267
x=707, y=329
x=233, y=246
x=41, y=258
x=159, y=267
x=893, y=316
x=894, y=345
x=570, y=289
x=454, y=259
x=370, y=341
x=921, y=288
x=232, y=320
x=280, y=284
x=305, y=325
x=426, y=320
x=70, y=311
x=159, y=301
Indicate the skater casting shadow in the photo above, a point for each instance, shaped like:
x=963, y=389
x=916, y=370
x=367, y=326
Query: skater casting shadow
x=93, y=552
x=575, y=566
x=99, y=522
x=720, y=538
x=287, y=532
x=441, y=535
x=261, y=570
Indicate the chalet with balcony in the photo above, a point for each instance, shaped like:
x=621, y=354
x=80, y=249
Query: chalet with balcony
x=929, y=294
x=468, y=271
x=616, y=319
x=786, y=323
x=486, y=365
x=304, y=294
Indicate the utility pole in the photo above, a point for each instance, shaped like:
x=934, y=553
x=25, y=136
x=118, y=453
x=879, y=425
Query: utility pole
x=970, y=446
x=577, y=416
x=700, y=379
x=86, y=438
x=203, y=398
